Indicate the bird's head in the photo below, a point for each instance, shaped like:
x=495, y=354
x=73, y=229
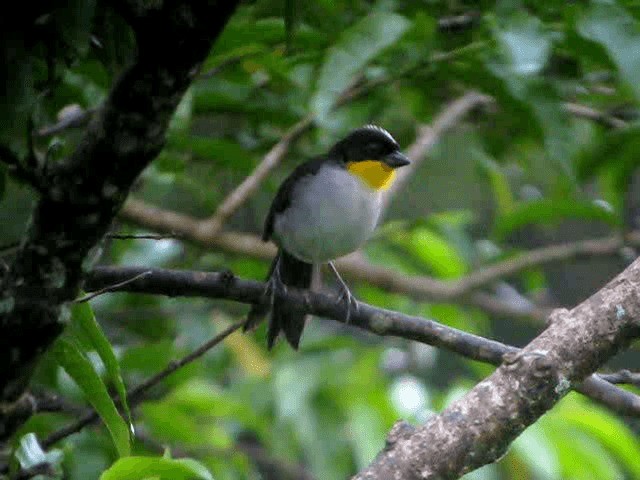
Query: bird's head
x=371, y=153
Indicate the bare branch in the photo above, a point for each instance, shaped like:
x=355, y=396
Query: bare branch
x=429, y=135
x=623, y=376
x=141, y=236
x=589, y=113
x=110, y=288
x=250, y=184
x=458, y=23
x=227, y=62
x=376, y=320
x=42, y=470
x=551, y=253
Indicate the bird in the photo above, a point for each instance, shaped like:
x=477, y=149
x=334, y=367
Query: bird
x=325, y=209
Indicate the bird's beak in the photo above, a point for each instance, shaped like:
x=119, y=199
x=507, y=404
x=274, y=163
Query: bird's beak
x=396, y=159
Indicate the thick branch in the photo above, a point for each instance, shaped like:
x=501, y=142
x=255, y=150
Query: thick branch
x=478, y=428
x=85, y=192
x=376, y=320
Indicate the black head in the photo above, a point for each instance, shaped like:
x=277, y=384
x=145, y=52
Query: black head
x=369, y=143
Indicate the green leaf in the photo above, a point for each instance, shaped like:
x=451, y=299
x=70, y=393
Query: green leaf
x=354, y=49
x=222, y=153
x=584, y=458
x=367, y=433
x=608, y=429
x=525, y=48
x=609, y=25
x=181, y=119
x=535, y=448
x=241, y=34
x=499, y=184
x=29, y=453
x=617, y=154
x=83, y=318
x=525, y=43
x=549, y=211
x=139, y=468
x=433, y=251
x=79, y=368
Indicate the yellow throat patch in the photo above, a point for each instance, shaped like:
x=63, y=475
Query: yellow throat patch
x=376, y=174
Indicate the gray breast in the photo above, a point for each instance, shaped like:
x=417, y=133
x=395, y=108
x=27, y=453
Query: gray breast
x=331, y=214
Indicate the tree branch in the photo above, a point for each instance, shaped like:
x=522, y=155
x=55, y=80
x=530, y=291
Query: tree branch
x=623, y=376
x=579, y=110
x=376, y=320
x=250, y=184
x=85, y=191
x=429, y=135
x=478, y=428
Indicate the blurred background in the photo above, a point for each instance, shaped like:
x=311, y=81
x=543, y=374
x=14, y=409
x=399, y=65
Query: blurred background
x=550, y=158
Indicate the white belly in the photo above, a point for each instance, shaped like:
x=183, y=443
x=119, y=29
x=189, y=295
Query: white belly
x=331, y=214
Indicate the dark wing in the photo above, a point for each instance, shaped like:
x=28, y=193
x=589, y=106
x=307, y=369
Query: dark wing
x=282, y=199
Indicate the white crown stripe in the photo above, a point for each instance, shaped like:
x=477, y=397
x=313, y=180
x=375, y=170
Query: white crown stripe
x=381, y=130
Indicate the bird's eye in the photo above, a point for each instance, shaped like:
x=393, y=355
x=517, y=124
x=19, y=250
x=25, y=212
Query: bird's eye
x=372, y=150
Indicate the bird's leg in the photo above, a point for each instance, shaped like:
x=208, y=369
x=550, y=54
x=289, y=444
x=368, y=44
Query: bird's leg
x=345, y=294
x=274, y=286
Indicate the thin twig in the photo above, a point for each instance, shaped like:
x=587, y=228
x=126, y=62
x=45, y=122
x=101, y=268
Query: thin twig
x=44, y=469
x=136, y=394
x=429, y=135
x=111, y=288
x=623, y=376
x=9, y=248
x=227, y=62
x=144, y=236
x=589, y=113
x=459, y=23
x=251, y=183
x=550, y=253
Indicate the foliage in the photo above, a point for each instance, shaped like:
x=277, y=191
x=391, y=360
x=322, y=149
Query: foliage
x=519, y=175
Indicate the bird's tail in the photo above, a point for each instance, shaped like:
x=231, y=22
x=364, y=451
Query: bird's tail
x=293, y=273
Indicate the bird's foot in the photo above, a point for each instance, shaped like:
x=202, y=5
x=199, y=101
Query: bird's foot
x=345, y=296
x=275, y=286
x=351, y=304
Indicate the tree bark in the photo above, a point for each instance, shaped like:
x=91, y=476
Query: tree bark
x=83, y=194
